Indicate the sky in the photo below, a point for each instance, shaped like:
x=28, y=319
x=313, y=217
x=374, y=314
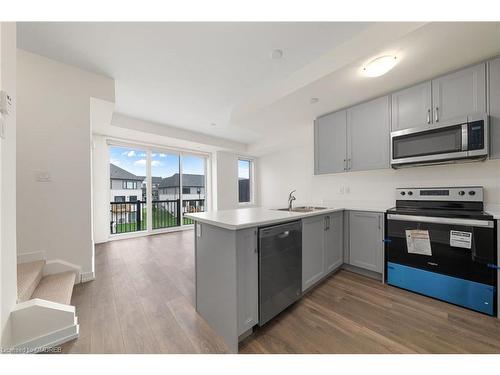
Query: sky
x=162, y=164
x=243, y=169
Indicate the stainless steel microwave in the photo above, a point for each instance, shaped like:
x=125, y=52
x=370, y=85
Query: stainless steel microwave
x=465, y=138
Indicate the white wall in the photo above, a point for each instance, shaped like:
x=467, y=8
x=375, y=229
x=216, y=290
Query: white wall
x=226, y=182
x=8, y=270
x=293, y=168
x=54, y=136
x=100, y=184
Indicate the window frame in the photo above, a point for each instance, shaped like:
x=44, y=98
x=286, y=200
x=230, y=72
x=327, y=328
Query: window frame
x=151, y=148
x=250, y=178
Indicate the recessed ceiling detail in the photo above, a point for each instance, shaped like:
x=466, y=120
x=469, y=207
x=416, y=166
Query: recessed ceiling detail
x=193, y=75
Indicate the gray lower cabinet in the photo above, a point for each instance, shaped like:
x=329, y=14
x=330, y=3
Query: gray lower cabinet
x=366, y=235
x=334, y=241
x=247, y=259
x=322, y=247
x=368, y=130
x=411, y=107
x=459, y=94
x=313, y=250
x=330, y=143
x=494, y=108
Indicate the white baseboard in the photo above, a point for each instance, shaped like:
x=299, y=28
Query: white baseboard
x=39, y=324
x=87, y=276
x=43, y=343
x=31, y=257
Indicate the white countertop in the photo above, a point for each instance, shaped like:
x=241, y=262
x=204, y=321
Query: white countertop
x=493, y=209
x=258, y=216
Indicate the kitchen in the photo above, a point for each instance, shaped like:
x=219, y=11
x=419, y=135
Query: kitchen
x=436, y=240
x=252, y=188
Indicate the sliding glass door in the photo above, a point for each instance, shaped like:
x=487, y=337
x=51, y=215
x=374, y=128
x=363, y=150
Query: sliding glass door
x=127, y=186
x=152, y=189
x=193, y=185
x=165, y=184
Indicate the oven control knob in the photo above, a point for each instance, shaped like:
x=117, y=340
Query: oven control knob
x=403, y=193
x=461, y=192
x=410, y=193
x=472, y=192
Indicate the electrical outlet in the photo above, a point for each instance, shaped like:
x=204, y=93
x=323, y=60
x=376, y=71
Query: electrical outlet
x=347, y=189
x=341, y=190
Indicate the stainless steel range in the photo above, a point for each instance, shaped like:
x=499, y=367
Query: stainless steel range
x=442, y=244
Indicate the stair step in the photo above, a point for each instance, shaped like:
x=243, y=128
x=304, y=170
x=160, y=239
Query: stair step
x=56, y=288
x=28, y=277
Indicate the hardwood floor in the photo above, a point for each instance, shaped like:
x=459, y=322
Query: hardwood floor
x=142, y=301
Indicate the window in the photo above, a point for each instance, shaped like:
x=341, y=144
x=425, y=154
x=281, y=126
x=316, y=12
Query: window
x=130, y=184
x=127, y=171
x=167, y=201
x=244, y=181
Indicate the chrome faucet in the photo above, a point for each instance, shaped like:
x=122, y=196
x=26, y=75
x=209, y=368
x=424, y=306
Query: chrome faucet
x=291, y=198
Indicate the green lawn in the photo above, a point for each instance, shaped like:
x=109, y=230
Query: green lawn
x=161, y=219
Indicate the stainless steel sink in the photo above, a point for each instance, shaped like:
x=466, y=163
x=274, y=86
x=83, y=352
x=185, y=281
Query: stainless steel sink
x=303, y=209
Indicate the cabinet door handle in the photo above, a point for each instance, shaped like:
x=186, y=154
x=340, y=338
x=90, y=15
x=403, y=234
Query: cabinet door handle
x=380, y=222
x=429, y=116
x=345, y=165
x=349, y=164
x=328, y=223
x=436, y=117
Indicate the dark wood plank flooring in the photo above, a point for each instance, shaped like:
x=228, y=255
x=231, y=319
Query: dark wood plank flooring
x=142, y=301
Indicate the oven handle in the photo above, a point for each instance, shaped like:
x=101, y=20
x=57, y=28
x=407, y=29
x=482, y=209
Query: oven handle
x=442, y=220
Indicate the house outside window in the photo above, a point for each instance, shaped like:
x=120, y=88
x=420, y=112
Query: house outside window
x=132, y=198
x=120, y=198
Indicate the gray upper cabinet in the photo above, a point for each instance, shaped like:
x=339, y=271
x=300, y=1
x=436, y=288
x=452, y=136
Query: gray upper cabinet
x=334, y=241
x=459, y=94
x=368, y=129
x=313, y=250
x=411, y=107
x=494, y=108
x=366, y=234
x=358, y=138
x=330, y=143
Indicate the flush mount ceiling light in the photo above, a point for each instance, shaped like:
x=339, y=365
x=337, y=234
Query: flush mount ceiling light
x=314, y=100
x=276, y=54
x=213, y=124
x=380, y=66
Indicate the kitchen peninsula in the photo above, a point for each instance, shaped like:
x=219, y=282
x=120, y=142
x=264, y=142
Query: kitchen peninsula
x=227, y=258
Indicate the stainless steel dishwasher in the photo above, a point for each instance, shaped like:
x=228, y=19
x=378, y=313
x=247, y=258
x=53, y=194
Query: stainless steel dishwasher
x=280, y=268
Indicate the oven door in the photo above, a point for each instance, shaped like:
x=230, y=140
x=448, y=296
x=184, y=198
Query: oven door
x=429, y=144
x=443, y=258
x=461, y=248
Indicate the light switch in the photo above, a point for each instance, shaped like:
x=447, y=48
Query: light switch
x=43, y=176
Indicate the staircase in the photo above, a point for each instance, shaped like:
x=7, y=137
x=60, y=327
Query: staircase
x=32, y=284
x=43, y=316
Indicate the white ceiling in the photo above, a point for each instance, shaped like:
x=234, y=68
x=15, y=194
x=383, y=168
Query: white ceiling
x=190, y=75
x=187, y=75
